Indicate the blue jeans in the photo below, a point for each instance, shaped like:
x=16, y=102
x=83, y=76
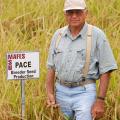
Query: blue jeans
x=75, y=103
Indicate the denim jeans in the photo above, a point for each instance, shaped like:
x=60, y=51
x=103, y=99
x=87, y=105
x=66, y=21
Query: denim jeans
x=75, y=103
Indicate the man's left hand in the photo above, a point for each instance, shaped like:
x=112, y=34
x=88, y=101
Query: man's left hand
x=98, y=109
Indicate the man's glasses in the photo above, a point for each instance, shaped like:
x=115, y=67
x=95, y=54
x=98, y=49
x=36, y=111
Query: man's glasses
x=76, y=12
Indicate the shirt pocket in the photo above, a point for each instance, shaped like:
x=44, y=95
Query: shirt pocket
x=58, y=57
x=81, y=53
x=80, y=58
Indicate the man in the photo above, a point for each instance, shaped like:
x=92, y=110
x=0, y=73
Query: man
x=75, y=88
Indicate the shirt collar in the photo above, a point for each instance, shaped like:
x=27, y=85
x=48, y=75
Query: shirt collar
x=81, y=33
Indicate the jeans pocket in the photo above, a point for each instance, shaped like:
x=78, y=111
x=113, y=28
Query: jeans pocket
x=90, y=87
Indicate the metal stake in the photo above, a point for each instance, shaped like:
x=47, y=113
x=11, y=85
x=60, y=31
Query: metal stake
x=22, y=99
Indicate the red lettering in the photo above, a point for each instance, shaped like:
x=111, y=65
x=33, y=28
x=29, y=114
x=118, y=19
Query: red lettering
x=9, y=67
x=16, y=56
x=19, y=56
x=9, y=56
x=23, y=56
x=9, y=62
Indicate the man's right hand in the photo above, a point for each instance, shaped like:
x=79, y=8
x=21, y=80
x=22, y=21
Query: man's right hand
x=51, y=102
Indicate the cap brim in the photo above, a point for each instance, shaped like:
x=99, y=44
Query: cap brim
x=74, y=9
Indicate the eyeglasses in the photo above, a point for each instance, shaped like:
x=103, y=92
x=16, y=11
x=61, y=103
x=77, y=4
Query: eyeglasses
x=77, y=12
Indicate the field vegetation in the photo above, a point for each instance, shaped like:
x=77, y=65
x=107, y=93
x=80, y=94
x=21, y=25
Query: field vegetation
x=28, y=25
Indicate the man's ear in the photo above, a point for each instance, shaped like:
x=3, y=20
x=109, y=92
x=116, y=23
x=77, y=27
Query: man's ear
x=64, y=13
x=86, y=12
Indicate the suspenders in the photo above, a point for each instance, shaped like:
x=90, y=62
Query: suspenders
x=88, y=51
x=88, y=48
x=59, y=37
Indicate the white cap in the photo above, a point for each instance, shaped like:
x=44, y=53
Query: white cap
x=74, y=4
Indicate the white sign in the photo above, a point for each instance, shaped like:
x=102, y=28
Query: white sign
x=22, y=65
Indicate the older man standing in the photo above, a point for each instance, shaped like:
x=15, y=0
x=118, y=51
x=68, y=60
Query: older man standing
x=79, y=55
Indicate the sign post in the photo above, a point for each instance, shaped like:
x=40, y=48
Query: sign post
x=22, y=99
x=22, y=66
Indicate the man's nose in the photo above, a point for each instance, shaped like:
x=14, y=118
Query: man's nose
x=74, y=14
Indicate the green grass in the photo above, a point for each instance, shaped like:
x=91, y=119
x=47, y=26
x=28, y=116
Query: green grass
x=28, y=25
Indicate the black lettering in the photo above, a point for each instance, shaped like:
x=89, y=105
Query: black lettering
x=16, y=64
x=29, y=64
x=25, y=64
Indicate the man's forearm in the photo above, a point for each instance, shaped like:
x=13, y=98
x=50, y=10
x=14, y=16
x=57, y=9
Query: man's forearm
x=50, y=81
x=98, y=107
x=104, y=82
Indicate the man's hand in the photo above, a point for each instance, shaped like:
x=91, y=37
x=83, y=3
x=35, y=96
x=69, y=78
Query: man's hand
x=51, y=101
x=98, y=109
x=50, y=88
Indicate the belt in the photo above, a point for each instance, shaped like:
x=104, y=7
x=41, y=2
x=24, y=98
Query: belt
x=76, y=84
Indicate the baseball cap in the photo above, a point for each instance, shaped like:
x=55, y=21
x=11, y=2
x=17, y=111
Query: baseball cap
x=74, y=4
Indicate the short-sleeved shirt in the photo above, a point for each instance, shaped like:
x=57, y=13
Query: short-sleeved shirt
x=69, y=57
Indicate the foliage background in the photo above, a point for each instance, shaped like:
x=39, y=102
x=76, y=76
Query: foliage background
x=28, y=25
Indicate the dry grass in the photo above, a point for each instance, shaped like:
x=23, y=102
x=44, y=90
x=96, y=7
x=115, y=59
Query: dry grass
x=29, y=25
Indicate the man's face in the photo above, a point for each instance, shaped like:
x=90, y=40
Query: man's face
x=76, y=18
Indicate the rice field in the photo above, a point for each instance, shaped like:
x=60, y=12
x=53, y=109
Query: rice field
x=28, y=25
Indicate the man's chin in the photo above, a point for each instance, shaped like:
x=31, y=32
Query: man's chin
x=75, y=25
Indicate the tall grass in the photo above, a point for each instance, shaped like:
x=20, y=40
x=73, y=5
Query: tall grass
x=28, y=25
